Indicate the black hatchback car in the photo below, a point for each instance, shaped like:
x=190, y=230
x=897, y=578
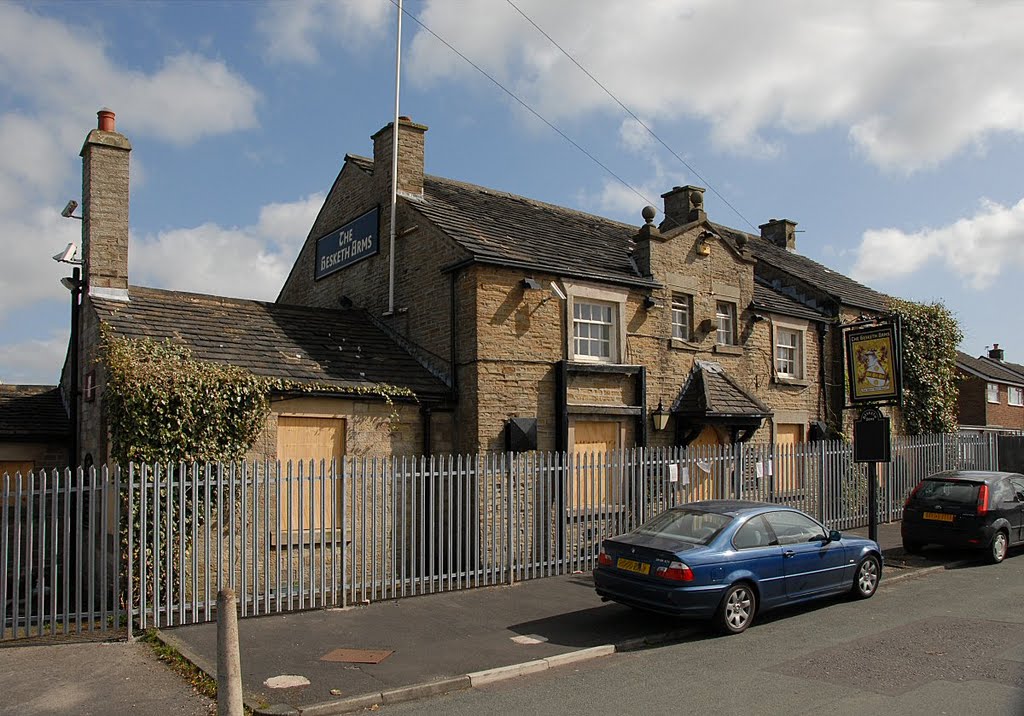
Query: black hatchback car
x=960, y=508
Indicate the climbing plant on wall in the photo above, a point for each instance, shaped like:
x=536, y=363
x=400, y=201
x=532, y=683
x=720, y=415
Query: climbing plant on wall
x=162, y=404
x=931, y=335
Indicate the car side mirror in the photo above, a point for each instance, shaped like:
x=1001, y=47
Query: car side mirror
x=835, y=536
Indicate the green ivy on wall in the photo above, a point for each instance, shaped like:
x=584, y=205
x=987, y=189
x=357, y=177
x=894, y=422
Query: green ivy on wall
x=162, y=404
x=931, y=335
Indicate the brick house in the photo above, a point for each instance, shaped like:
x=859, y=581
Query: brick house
x=34, y=429
x=991, y=392
x=561, y=330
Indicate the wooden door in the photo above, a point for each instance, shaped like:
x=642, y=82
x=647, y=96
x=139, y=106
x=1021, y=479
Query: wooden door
x=299, y=440
x=788, y=472
x=592, y=443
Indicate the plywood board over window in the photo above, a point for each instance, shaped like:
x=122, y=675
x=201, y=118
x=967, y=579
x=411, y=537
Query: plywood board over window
x=305, y=502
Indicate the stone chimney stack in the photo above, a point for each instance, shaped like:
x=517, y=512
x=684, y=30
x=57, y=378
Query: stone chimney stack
x=781, y=232
x=410, y=157
x=996, y=353
x=682, y=205
x=105, y=210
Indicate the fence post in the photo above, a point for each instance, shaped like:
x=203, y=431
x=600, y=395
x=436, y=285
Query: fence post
x=942, y=450
x=821, y=481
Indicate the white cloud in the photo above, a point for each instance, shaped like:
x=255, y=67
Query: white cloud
x=978, y=248
x=65, y=74
x=247, y=262
x=58, y=77
x=32, y=361
x=912, y=82
x=295, y=30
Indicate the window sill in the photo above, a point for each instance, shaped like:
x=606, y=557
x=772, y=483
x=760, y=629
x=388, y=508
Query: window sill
x=728, y=350
x=783, y=380
x=680, y=344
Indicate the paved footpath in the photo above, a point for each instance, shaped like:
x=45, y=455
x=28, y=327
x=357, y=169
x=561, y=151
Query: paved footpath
x=435, y=639
x=92, y=679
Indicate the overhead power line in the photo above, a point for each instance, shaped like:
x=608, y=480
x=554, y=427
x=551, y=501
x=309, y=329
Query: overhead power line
x=526, y=106
x=631, y=113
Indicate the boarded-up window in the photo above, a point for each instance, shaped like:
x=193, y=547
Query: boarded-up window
x=306, y=502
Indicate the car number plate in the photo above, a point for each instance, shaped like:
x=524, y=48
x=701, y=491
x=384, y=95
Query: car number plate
x=938, y=516
x=631, y=565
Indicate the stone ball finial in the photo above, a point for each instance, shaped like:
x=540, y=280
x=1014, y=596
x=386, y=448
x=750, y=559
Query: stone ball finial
x=649, y=212
x=741, y=240
x=697, y=198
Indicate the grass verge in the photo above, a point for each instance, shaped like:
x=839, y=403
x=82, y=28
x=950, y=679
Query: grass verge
x=184, y=668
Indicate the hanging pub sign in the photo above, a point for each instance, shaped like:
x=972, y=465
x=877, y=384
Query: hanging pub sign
x=873, y=365
x=353, y=242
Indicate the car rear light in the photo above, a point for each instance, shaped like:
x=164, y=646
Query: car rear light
x=983, y=500
x=676, y=571
x=603, y=559
x=912, y=494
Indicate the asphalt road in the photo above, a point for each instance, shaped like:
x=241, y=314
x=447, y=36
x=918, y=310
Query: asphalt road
x=949, y=642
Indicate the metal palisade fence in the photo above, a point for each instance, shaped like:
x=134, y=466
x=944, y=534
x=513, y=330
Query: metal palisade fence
x=150, y=545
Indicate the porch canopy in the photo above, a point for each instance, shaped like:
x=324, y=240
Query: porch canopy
x=712, y=397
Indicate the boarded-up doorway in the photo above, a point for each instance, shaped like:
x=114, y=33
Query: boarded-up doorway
x=788, y=470
x=594, y=443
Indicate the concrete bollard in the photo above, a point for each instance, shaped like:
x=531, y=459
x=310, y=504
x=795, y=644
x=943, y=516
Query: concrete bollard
x=229, y=666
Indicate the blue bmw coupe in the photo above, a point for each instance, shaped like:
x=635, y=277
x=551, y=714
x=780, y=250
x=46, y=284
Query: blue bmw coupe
x=730, y=559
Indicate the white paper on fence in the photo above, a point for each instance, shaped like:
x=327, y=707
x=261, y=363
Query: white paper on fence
x=759, y=469
x=705, y=466
x=684, y=476
x=673, y=473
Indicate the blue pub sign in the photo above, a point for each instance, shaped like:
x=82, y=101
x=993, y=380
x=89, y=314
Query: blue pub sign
x=353, y=242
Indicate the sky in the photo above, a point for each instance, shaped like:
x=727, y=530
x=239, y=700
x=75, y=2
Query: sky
x=891, y=131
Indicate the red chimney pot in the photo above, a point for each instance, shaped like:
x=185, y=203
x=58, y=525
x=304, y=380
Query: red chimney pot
x=106, y=120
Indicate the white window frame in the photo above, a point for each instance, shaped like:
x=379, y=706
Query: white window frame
x=593, y=324
x=682, y=303
x=798, y=329
x=725, y=323
x=589, y=293
x=992, y=393
x=1018, y=393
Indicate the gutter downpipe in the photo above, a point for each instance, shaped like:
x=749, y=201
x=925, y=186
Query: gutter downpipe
x=394, y=167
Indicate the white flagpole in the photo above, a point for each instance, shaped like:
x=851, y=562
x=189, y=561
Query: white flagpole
x=394, y=166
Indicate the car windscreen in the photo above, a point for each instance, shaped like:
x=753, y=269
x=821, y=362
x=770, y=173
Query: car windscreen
x=949, y=491
x=694, y=526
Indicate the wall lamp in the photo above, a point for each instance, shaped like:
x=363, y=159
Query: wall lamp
x=703, y=242
x=531, y=284
x=660, y=417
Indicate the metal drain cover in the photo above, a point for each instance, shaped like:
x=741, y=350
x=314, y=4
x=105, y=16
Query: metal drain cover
x=358, y=656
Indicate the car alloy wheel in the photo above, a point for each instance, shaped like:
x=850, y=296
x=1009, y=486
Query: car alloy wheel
x=737, y=610
x=868, y=573
x=998, y=550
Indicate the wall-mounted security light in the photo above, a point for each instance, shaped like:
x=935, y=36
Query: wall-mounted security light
x=559, y=293
x=67, y=256
x=68, y=212
x=531, y=283
x=652, y=304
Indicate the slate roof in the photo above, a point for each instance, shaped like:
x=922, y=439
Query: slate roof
x=767, y=298
x=990, y=370
x=507, y=229
x=32, y=411
x=842, y=288
x=307, y=345
x=711, y=392
x=1014, y=367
